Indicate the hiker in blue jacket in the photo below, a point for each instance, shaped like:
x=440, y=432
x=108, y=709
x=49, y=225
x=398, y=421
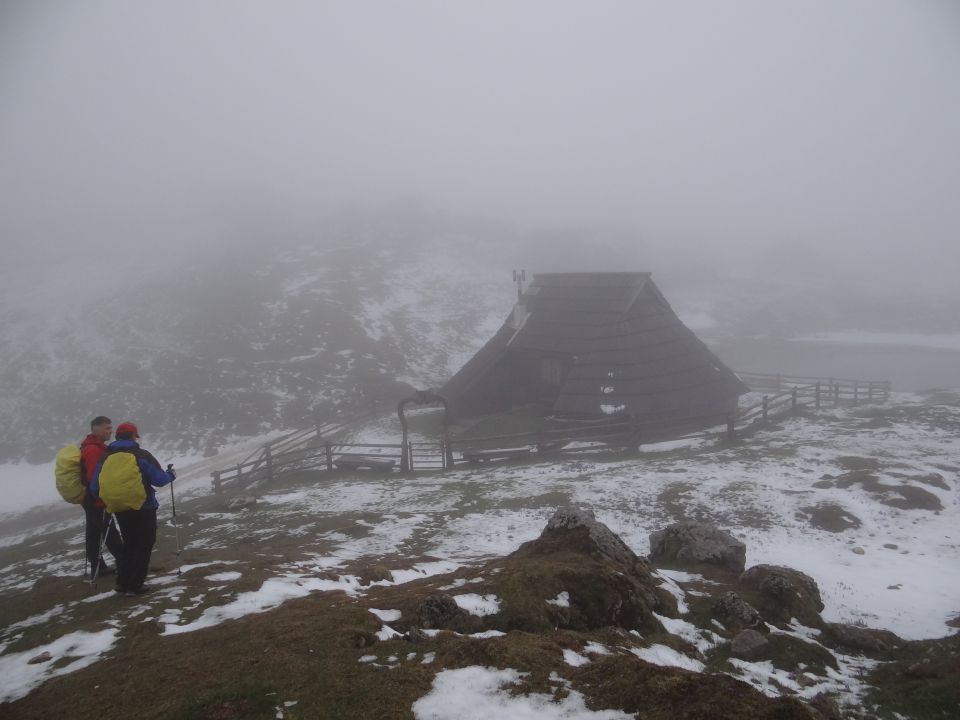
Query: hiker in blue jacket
x=124, y=480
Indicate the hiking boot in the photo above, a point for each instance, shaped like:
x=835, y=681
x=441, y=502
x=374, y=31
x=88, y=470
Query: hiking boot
x=142, y=590
x=119, y=588
x=106, y=570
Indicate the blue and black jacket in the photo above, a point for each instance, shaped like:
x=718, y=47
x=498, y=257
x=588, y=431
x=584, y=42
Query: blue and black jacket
x=151, y=475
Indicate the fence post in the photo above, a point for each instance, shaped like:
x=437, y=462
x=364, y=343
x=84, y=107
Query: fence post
x=731, y=428
x=766, y=407
x=269, y=463
x=817, y=401
x=328, y=451
x=886, y=390
x=793, y=400
x=239, y=476
x=410, y=456
x=216, y=481
x=447, y=455
x=836, y=392
x=856, y=393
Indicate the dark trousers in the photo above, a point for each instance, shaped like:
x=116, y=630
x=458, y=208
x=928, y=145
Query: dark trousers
x=97, y=521
x=139, y=529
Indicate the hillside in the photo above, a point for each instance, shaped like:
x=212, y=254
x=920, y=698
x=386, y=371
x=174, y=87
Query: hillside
x=295, y=598
x=265, y=326
x=236, y=343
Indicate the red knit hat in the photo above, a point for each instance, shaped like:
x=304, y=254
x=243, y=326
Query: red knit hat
x=127, y=427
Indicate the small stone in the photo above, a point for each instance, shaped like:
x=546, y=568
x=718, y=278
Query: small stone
x=891, y=546
x=416, y=635
x=244, y=501
x=363, y=639
x=41, y=658
x=859, y=551
x=377, y=573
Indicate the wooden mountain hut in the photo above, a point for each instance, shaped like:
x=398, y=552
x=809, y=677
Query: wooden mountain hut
x=596, y=344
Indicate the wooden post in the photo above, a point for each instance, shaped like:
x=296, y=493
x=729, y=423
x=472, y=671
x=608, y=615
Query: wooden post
x=766, y=407
x=447, y=455
x=856, y=393
x=328, y=451
x=269, y=462
x=239, y=476
x=216, y=481
x=886, y=390
x=404, y=457
x=836, y=392
x=410, y=455
x=793, y=400
x=731, y=428
x=817, y=401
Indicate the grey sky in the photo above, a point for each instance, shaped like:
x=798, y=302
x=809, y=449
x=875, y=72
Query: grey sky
x=776, y=126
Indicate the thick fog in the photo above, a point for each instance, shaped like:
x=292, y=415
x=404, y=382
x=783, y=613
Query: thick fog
x=803, y=133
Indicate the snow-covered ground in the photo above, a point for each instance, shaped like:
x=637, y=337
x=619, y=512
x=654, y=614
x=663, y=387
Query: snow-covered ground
x=896, y=565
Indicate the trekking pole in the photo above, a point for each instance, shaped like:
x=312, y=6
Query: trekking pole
x=176, y=525
x=95, y=571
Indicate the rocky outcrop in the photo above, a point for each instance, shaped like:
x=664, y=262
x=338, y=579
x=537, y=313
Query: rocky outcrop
x=689, y=544
x=604, y=581
x=602, y=540
x=781, y=593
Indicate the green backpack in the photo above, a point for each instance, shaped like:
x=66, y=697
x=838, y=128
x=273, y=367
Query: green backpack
x=69, y=475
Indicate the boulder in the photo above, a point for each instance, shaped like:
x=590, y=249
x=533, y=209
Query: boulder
x=737, y=614
x=438, y=611
x=41, y=658
x=859, y=639
x=375, y=573
x=748, y=645
x=695, y=543
x=781, y=593
x=606, y=582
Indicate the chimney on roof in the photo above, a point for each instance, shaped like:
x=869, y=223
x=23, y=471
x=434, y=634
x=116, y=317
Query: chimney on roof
x=519, y=277
x=519, y=316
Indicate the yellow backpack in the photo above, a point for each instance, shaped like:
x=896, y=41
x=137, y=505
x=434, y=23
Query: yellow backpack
x=66, y=469
x=120, y=482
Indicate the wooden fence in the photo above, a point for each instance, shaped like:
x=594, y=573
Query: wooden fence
x=319, y=449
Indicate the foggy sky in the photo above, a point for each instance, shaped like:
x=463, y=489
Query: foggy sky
x=786, y=128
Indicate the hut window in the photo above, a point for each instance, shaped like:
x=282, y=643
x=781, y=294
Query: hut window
x=551, y=371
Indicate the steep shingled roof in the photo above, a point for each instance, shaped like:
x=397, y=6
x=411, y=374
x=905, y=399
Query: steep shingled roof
x=632, y=353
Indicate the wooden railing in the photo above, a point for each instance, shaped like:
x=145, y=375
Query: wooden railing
x=318, y=449
x=835, y=391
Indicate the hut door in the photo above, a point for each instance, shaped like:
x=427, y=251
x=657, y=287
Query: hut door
x=551, y=371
